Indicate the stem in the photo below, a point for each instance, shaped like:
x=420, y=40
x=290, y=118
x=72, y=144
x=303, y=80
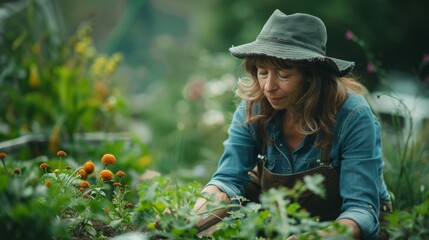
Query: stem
x=283, y=214
x=5, y=168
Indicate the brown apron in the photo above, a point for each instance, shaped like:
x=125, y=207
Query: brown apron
x=327, y=209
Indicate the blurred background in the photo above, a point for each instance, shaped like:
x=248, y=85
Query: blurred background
x=152, y=80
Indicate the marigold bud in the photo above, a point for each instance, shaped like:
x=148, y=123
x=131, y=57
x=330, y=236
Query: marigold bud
x=83, y=174
x=44, y=165
x=108, y=159
x=120, y=174
x=89, y=167
x=3, y=155
x=17, y=171
x=106, y=175
x=61, y=154
x=117, y=184
x=84, y=184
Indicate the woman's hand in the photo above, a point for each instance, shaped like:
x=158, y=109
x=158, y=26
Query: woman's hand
x=204, y=221
x=326, y=233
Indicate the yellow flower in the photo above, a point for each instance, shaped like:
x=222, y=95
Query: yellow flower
x=108, y=159
x=145, y=160
x=84, y=184
x=44, y=165
x=106, y=175
x=120, y=174
x=89, y=167
x=112, y=63
x=34, y=78
x=57, y=171
x=48, y=183
x=98, y=65
x=55, y=138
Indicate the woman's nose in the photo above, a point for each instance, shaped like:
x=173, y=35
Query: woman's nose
x=271, y=82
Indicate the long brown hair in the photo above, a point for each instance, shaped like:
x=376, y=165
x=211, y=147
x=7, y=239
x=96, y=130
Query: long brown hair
x=316, y=103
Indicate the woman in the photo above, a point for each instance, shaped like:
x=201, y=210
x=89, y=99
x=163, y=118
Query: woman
x=303, y=116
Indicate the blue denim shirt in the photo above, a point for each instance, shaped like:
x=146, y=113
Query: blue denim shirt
x=356, y=155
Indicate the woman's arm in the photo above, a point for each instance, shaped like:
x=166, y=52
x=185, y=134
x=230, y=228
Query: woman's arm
x=353, y=225
x=361, y=170
x=206, y=221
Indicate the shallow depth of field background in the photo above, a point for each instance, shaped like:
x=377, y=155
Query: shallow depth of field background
x=168, y=103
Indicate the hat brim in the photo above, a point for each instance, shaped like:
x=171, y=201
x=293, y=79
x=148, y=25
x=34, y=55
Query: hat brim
x=291, y=52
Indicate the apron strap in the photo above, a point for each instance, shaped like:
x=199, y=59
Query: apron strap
x=325, y=152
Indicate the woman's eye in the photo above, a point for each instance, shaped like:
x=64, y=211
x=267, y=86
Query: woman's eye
x=283, y=77
x=262, y=73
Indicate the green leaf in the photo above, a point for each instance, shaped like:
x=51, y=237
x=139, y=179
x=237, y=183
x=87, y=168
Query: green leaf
x=115, y=223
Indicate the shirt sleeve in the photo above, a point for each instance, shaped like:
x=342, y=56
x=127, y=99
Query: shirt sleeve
x=361, y=168
x=238, y=158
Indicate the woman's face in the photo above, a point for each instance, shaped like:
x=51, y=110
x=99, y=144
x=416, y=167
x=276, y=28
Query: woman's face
x=280, y=86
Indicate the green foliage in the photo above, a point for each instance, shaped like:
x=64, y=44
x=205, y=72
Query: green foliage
x=25, y=211
x=54, y=86
x=65, y=203
x=411, y=224
x=276, y=217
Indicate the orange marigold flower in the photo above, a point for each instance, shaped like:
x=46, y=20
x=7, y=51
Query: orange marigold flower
x=89, y=167
x=44, y=165
x=68, y=167
x=120, y=174
x=84, y=184
x=83, y=174
x=108, y=159
x=117, y=184
x=85, y=195
x=61, y=154
x=17, y=171
x=48, y=183
x=129, y=205
x=3, y=155
x=106, y=175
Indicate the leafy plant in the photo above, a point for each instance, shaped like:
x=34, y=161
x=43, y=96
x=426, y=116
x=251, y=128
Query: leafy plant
x=276, y=217
x=53, y=85
x=412, y=224
x=82, y=205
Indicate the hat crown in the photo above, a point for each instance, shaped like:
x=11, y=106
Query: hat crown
x=299, y=29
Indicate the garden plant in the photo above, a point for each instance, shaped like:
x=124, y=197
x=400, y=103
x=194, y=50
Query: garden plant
x=60, y=87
